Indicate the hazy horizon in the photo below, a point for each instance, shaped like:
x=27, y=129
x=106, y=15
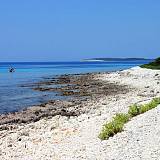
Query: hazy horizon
x=73, y=60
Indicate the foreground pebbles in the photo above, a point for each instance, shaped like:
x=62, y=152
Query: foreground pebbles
x=76, y=138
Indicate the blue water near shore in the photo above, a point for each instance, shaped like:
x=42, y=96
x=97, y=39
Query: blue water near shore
x=14, y=98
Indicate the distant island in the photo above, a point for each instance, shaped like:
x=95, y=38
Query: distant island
x=115, y=59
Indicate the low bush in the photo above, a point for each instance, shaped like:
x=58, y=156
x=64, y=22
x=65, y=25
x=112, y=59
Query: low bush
x=133, y=110
x=121, y=117
x=153, y=65
x=116, y=125
x=151, y=105
x=110, y=129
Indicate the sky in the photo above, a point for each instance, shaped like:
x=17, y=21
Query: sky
x=71, y=30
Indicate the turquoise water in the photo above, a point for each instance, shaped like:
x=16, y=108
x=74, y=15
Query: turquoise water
x=14, y=98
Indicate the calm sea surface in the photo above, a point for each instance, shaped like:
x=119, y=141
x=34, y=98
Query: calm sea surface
x=14, y=98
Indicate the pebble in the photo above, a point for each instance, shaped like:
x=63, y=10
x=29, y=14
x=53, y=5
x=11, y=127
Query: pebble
x=76, y=138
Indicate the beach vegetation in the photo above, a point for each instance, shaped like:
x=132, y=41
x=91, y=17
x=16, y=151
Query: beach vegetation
x=133, y=110
x=151, y=105
x=118, y=122
x=115, y=126
x=152, y=65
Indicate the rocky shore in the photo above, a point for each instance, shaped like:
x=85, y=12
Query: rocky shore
x=78, y=90
x=68, y=130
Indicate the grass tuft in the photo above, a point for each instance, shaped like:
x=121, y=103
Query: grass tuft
x=133, y=110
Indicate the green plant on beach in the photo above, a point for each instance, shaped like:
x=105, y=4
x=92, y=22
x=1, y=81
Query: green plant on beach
x=133, y=110
x=109, y=130
x=117, y=124
x=151, y=105
x=121, y=117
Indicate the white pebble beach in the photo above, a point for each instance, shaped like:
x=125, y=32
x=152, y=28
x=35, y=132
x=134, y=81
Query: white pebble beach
x=76, y=138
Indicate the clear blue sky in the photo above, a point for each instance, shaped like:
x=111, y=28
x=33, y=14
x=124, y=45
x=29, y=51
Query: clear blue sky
x=55, y=30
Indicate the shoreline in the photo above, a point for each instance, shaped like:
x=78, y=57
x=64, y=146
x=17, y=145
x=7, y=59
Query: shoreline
x=78, y=90
x=76, y=137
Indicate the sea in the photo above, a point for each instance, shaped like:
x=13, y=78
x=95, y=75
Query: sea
x=14, y=97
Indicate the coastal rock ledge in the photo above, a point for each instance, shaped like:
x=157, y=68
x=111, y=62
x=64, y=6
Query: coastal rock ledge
x=76, y=137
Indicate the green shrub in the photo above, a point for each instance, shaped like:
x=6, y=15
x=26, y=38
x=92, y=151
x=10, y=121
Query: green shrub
x=121, y=117
x=151, y=105
x=104, y=134
x=156, y=100
x=116, y=125
x=110, y=129
x=143, y=109
x=133, y=110
x=152, y=65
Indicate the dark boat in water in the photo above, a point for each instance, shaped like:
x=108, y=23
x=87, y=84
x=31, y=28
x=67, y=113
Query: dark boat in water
x=11, y=70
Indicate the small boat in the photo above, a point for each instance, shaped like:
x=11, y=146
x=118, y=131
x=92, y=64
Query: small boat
x=11, y=70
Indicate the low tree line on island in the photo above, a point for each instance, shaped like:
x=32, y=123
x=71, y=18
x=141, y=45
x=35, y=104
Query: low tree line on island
x=152, y=65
